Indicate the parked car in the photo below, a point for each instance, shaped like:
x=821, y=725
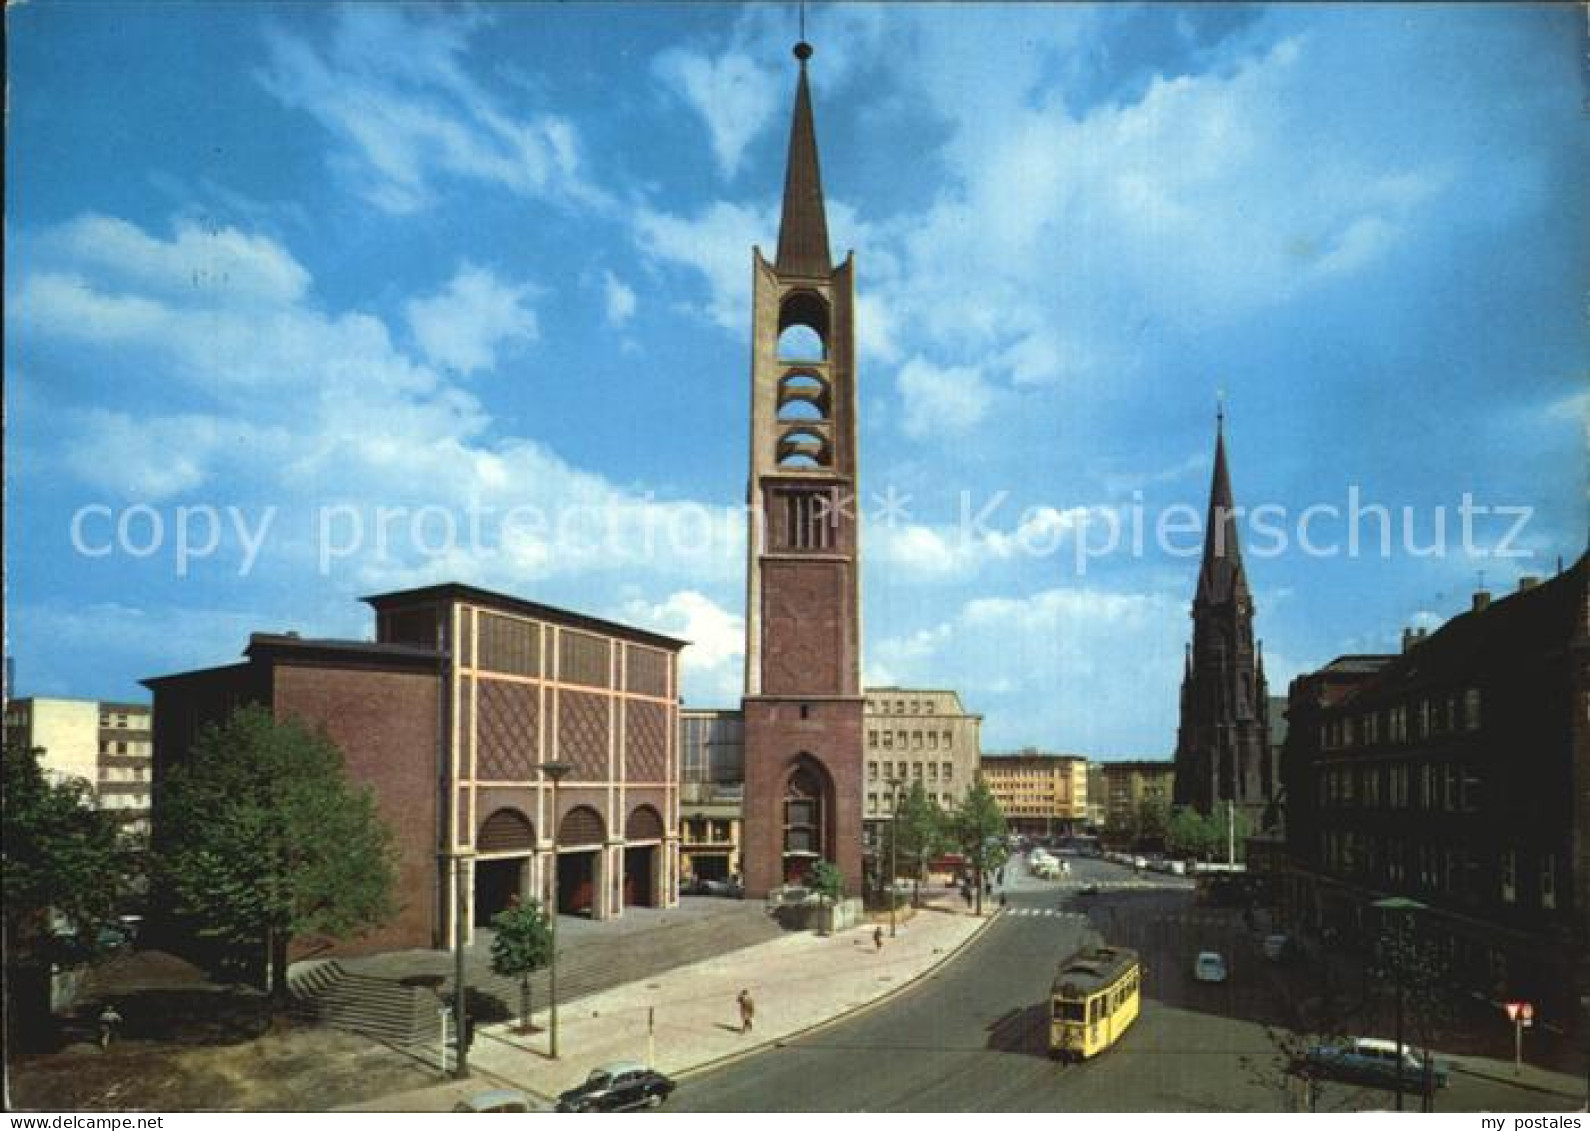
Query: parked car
x=1088, y=889
x=1209, y=967
x=733, y=889
x=1373, y=1060
x=617, y=1087
x=498, y=1100
x=1280, y=947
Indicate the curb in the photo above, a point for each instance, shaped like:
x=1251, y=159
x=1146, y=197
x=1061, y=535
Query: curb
x=1514, y=1082
x=845, y=1015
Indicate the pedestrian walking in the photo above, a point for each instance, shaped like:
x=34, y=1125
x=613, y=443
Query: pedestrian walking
x=877, y=938
x=109, y=1025
x=747, y=1011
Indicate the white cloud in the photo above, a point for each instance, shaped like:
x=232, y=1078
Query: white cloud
x=1046, y=669
x=619, y=299
x=713, y=665
x=314, y=408
x=942, y=401
x=735, y=98
x=717, y=244
x=200, y=263
x=394, y=89
x=462, y=327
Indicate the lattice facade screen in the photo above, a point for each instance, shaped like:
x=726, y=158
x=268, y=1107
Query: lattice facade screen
x=509, y=645
x=509, y=722
x=583, y=728
x=584, y=659
x=647, y=671
x=646, y=741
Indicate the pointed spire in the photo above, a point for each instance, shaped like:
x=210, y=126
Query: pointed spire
x=1222, y=577
x=803, y=230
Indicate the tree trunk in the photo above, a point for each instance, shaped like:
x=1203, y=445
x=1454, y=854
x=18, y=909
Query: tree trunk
x=524, y=1003
x=279, y=941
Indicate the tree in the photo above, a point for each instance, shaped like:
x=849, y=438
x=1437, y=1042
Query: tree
x=262, y=838
x=980, y=830
x=521, y=946
x=67, y=865
x=827, y=881
x=1153, y=819
x=918, y=827
x=1190, y=833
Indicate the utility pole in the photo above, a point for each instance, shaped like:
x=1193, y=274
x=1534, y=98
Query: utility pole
x=460, y=968
x=1231, y=832
x=554, y=772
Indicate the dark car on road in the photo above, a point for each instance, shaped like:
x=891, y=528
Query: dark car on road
x=618, y=1087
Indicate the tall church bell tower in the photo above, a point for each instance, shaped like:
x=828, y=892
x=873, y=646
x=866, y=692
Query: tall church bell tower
x=803, y=704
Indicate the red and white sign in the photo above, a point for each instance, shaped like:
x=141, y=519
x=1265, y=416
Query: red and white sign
x=1520, y=1011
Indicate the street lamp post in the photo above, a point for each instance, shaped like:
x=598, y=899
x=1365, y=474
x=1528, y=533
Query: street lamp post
x=1404, y=908
x=460, y=967
x=894, y=840
x=554, y=772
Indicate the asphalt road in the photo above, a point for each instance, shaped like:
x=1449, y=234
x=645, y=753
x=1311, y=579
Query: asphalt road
x=972, y=1036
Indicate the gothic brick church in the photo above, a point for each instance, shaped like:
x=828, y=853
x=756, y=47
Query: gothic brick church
x=1222, y=744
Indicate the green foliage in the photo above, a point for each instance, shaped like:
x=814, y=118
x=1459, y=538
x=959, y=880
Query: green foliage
x=67, y=865
x=264, y=839
x=1190, y=833
x=521, y=945
x=919, y=827
x=1153, y=818
x=980, y=832
x=826, y=880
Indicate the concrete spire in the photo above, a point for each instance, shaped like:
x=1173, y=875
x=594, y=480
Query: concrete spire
x=803, y=229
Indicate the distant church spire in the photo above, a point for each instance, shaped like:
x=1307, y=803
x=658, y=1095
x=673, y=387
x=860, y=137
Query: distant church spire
x=803, y=229
x=1222, y=743
x=1221, y=577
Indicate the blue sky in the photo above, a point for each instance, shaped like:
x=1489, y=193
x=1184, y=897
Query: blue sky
x=286, y=267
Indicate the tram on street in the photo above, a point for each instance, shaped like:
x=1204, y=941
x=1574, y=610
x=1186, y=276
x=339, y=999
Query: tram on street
x=1093, y=1000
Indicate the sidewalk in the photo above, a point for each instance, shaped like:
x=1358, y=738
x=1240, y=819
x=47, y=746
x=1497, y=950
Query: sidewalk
x=799, y=982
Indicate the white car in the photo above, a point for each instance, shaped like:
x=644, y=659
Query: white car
x=1209, y=967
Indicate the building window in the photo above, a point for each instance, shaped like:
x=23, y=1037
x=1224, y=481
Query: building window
x=948, y=742
x=872, y=802
x=1454, y=782
x=1509, y=860
x=916, y=740
x=933, y=740
x=916, y=770
x=888, y=740
x=949, y=770
x=927, y=706
x=872, y=739
x=1471, y=709
x=1548, y=882
x=872, y=771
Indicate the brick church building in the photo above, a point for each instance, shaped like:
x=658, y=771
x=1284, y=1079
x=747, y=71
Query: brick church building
x=803, y=706
x=446, y=716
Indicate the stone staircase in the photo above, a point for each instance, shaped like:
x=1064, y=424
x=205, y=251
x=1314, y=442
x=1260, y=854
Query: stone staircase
x=376, y=1007
x=369, y=995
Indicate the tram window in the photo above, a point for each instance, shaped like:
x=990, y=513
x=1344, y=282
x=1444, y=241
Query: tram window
x=1070, y=1010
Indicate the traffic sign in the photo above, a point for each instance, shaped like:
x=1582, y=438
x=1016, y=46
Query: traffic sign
x=1513, y=1009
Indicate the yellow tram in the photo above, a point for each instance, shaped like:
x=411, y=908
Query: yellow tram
x=1093, y=1000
